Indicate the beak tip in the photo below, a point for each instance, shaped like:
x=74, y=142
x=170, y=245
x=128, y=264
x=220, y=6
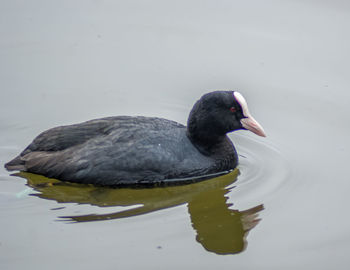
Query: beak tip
x=262, y=133
x=252, y=125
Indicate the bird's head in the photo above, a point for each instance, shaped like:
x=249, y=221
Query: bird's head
x=217, y=113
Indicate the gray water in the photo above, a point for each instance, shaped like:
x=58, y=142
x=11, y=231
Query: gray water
x=65, y=62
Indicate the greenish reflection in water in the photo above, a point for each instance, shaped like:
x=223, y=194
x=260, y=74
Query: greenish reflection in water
x=219, y=229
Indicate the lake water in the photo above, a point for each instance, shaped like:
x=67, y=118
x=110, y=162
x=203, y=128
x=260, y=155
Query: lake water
x=284, y=208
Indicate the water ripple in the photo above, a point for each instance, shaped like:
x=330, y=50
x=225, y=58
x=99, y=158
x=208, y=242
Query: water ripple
x=263, y=170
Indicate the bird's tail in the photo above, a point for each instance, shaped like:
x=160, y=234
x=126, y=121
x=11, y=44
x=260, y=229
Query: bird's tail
x=16, y=164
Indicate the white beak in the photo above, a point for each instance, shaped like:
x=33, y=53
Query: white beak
x=251, y=124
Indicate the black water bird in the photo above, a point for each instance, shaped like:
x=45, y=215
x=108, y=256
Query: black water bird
x=128, y=151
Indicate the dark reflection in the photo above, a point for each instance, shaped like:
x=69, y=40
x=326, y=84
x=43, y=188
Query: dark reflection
x=219, y=229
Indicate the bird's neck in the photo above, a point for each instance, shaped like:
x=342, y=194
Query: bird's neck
x=201, y=130
x=206, y=141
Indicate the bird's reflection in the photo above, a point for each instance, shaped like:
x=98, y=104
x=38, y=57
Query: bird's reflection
x=219, y=229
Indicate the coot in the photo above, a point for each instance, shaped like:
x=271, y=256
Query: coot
x=129, y=151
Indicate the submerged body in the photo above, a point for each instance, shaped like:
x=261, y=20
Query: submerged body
x=125, y=150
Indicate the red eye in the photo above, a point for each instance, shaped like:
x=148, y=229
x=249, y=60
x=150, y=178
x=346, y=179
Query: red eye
x=233, y=109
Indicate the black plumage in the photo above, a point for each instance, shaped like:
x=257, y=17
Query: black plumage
x=125, y=150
